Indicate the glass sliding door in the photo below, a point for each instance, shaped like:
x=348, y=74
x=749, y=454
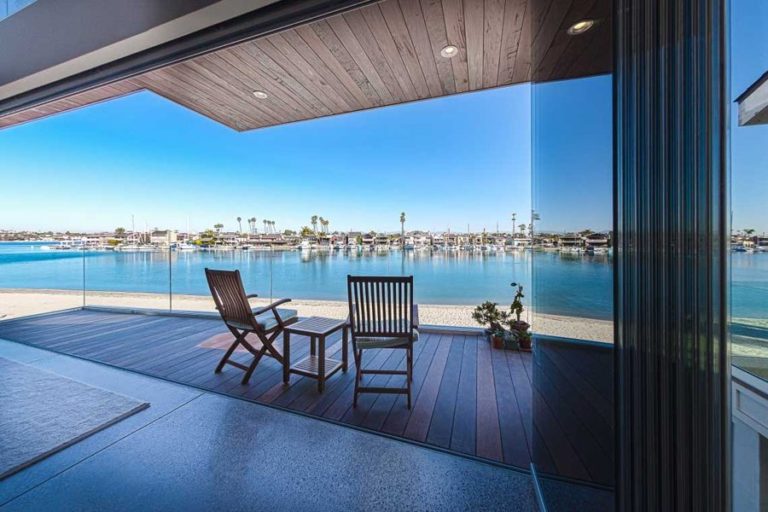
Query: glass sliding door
x=571, y=231
x=749, y=253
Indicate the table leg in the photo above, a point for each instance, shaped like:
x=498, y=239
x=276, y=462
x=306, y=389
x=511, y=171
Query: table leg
x=286, y=356
x=344, y=350
x=312, y=347
x=321, y=365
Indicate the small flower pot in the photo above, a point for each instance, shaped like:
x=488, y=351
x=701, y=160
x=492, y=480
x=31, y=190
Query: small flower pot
x=510, y=342
x=520, y=326
x=497, y=341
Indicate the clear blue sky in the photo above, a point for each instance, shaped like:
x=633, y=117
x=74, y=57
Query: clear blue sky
x=749, y=144
x=447, y=163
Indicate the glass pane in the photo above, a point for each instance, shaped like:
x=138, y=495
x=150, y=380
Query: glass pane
x=570, y=227
x=129, y=269
x=749, y=250
x=38, y=276
x=749, y=178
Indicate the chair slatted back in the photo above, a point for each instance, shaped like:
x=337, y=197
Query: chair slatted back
x=229, y=295
x=381, y=305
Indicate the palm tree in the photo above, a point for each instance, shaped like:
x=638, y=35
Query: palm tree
x=534, y=217
x=522, y=229
x=749, y=232
x=240, y=224
x=402, y=228
x=119, y=232
x=314, y=224
x=218, y=227
x=253, y=226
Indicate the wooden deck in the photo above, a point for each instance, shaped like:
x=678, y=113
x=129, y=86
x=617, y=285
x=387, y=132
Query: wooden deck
x=468, y=397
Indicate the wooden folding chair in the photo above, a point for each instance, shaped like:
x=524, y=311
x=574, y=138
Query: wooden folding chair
x=382, y=315
x=267, y=322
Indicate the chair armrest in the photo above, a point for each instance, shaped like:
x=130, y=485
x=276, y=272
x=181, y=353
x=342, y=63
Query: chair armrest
x=272, y=306
x=251, y=296
x=415, y=316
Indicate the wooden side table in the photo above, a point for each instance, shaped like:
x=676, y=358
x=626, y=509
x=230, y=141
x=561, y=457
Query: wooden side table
x=316, y=365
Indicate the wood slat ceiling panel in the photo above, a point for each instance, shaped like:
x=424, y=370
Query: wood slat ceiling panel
x=381, y=54
x=82, y=99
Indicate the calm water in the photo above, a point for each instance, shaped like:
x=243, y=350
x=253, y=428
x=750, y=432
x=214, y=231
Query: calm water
x=564, y=284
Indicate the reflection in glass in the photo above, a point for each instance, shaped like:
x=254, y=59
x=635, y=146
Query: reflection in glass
x=749, y=178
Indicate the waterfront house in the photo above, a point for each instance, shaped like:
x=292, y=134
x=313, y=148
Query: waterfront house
x=163, y=237
x=597, y=242
x=368, y=240
x=570, y=242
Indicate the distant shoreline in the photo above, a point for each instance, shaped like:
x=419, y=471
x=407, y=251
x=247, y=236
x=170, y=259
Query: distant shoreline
x=16, y=302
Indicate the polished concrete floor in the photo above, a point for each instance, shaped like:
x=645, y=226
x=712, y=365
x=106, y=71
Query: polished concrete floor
x=192, y=450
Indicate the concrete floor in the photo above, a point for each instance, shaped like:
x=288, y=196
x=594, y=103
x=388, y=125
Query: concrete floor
x=192, y=450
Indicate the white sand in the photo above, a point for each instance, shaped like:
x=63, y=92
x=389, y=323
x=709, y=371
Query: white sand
x=21, y=302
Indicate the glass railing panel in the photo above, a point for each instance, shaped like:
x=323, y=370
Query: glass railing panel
x=188, y=264
x=128, y=275
x=39, y=277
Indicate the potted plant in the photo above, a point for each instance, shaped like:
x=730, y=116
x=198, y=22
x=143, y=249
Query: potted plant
x=488, y=314
x=524, y=340
x=510, y=341
x=497, y=338
x=519, y=329
x=517, y=336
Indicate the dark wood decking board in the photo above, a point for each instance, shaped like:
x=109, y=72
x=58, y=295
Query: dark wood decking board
x=467, y=397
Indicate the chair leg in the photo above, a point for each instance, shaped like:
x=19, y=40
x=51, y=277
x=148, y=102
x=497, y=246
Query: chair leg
x=238, y=338
x=410, y=364
x=409, y=376
x=358, y=374
x=252, y=367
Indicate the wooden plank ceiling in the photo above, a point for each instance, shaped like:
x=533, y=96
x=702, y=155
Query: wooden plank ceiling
x=381, y=54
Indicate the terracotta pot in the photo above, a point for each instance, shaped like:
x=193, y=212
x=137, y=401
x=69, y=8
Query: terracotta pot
x=497, y=341
x=525, y=343
x=520, y=326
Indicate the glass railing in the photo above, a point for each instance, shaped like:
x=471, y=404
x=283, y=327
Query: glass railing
x=449, y=283
x=39, y=277
x=134, y=277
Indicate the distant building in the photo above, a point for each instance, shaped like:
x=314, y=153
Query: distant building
x=163, y=237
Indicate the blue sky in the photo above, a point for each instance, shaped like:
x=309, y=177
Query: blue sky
x=448, y=163
x=749, y=156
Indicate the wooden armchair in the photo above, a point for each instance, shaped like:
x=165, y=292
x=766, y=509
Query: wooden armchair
x=267, y=322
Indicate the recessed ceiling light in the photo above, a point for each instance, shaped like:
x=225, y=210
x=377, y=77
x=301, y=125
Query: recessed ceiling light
x=260, y=94
x=449, y=51
x=580, y=27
